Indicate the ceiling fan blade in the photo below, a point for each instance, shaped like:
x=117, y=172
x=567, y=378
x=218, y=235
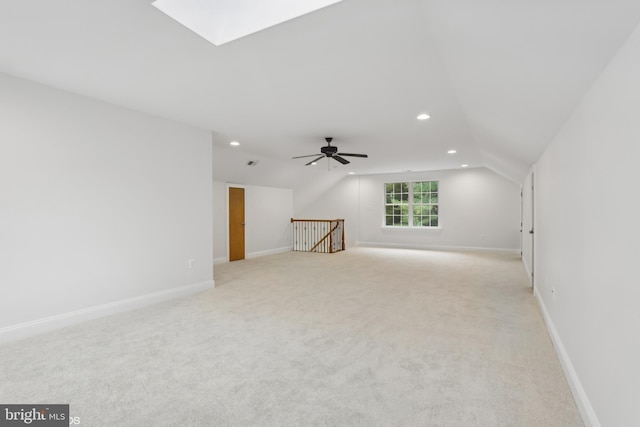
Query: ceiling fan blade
x=308, y=155
x=352, y=155
x=313, y=161
x=340, y=159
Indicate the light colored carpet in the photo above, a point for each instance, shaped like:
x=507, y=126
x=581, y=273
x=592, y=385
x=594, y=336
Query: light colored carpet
x=365, y=337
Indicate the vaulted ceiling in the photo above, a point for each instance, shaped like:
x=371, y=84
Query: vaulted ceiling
x=498, y=77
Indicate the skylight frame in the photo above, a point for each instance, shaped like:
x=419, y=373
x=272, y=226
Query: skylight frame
x=222, y=21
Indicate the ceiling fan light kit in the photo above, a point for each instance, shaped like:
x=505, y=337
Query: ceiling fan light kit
x=331, y=152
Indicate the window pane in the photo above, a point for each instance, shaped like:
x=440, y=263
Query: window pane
x=419, y=210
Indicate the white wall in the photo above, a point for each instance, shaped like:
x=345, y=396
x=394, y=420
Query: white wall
x=98, y=204
x=268, y=217
x=339, y=202
x=220, y=210
x=478, y=209
x=268, y=213
x=588, y=243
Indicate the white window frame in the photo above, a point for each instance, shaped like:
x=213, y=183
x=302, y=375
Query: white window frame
x=410, y=206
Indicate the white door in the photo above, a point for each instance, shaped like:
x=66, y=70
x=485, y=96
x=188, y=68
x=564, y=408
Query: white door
x=528, y=200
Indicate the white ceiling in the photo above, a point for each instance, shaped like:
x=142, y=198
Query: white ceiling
x=498, y=77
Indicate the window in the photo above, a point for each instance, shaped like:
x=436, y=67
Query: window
x=411, y=204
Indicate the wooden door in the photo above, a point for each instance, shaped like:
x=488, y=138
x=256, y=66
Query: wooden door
x=236, y=223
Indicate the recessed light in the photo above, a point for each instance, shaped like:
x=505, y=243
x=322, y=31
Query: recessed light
x=423, y=116
x=464, y=166
x=234, y=143
x=351, y=173
x=451, y=152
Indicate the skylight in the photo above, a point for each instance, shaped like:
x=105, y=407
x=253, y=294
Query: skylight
x=221, y=21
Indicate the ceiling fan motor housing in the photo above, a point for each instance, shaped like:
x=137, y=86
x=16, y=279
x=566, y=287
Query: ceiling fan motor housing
x=329, y=150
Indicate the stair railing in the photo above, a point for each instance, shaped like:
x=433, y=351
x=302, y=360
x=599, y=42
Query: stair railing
x=318, y=235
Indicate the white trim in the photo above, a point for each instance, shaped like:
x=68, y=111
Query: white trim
x=269, y=252
x=39, y=326
x=527, y=269
x=589, y=416
x=435, y=248
x=522, y=220
x=220, y=260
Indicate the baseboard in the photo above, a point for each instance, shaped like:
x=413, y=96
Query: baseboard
x=269, y=252
x=47, y=324
x=220, y=260
x=589, y=416
x=435, y=248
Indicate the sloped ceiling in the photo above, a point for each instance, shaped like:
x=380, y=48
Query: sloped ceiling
x=498, y=77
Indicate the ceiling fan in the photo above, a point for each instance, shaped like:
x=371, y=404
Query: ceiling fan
x=331, y=152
